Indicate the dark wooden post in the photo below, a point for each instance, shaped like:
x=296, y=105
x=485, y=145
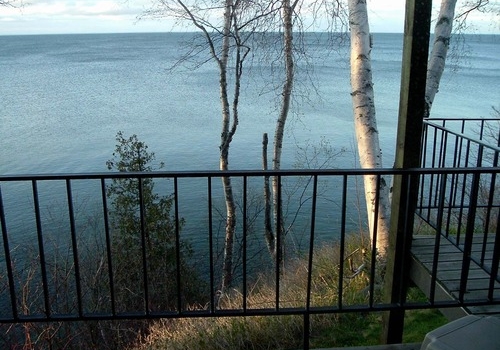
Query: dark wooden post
x=408, y=148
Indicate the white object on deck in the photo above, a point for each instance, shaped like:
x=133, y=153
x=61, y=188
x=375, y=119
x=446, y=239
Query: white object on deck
x=469, y=332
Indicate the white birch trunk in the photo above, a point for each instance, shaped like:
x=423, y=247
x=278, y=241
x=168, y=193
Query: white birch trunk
x=437, y=59
x=280, y=124
x=370, y=155
x=230, y=40
x=226, y=138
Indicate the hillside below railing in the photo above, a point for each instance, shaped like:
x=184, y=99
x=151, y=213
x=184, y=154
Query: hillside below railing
x=59, y=261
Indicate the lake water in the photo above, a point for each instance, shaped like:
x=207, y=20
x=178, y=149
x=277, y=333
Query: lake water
x=64, y=97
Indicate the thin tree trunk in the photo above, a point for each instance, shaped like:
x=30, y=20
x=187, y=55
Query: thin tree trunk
x=229, y=122
x=287, y=9
x=370, y=155
x=268, y=227
x=226, y=138
x=437, y=60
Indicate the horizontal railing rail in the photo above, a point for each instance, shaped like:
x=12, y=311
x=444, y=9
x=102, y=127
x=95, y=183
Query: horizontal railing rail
x=477, y=129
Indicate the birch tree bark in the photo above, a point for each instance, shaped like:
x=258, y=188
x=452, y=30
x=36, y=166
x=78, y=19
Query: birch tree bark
x=287, y=14
x=437, y=59
x=370, y=156
x=227, y=133
x=442, y=37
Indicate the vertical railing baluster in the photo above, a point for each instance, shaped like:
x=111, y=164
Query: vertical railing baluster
x=470, y=226
x=279, y=255
x=498, y=137
x=342, y=241
x=8, y=260
x=74, y=244
x=311, y=243
x=494, y=262
x=310, y=263
x=444, y=150
x=453, y=188
x=408, y=227
x=108, y=246
x=441, y=163
x=467, y=153
x=244, y=288
x=41, y=249
x=432, y=176
x=481, y=133
x=425, y=136
x=423, y=161
x=489, y=207
x=210, y=245
x=437, y=242
x=464, y=193
x=307, y=327
x=144, y=244
x=177, y=244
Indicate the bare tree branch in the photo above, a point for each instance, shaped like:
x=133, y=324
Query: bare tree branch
x=12, y=3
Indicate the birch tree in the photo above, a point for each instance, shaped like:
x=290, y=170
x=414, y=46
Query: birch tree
x=229, y=125
x=287, y=10
x=241, y=19
x=227, y=27
x=370, y=155
x=437, y=60
x=363, y=98
x=442, y=37
x=224, y=42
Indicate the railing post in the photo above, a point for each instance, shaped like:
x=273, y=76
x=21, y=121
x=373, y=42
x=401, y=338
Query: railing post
x=408, y=149
x=470, y=227
x=41, y=248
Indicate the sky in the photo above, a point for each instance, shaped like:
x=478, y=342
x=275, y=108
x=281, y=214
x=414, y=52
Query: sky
x=120, y=16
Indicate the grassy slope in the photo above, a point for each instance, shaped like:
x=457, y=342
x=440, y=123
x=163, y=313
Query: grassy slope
x=285, y=332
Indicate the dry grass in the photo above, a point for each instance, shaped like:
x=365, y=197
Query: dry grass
x=280, y=332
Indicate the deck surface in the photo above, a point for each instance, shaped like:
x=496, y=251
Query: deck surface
x=449, y=267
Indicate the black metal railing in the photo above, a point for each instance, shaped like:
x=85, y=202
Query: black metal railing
x=463, y=208
x=59, y=262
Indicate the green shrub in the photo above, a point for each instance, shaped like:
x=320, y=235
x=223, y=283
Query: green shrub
x=151, y=230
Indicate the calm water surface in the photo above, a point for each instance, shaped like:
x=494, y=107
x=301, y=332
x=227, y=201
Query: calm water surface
x=64, y=97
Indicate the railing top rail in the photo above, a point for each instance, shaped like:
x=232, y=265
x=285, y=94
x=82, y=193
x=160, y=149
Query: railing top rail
x=462, y=119
x=458, y=134
x=242, y=173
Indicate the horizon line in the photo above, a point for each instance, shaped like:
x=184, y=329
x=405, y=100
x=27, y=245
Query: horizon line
x=193, y=32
